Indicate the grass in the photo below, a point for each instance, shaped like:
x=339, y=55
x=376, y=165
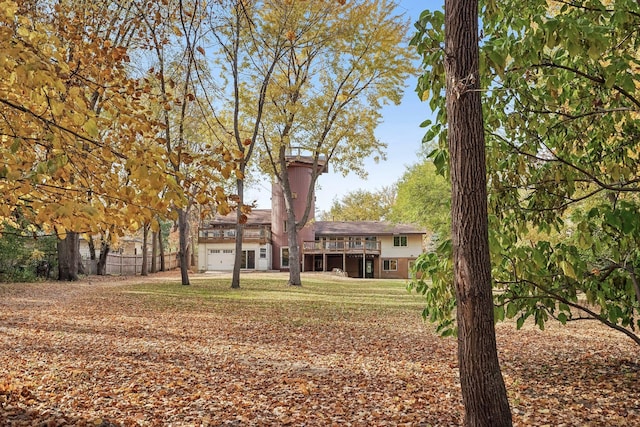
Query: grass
x=371, y=295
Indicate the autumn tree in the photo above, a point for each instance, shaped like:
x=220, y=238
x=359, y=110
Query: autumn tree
x=343, y=62
x=362, y=205
x=248, y=45
x=73, y=129
x=483, y=390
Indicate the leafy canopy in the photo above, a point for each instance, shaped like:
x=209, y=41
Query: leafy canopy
x=560, y=86
x=362, y=205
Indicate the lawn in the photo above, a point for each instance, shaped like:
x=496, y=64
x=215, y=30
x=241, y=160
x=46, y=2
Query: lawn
x=336, y=351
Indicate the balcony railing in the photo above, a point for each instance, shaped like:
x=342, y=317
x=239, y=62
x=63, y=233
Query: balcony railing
x=217, y=235
x=342, y=246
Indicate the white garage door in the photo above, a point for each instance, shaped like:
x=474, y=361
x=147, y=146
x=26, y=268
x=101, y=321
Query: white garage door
x=220, y=259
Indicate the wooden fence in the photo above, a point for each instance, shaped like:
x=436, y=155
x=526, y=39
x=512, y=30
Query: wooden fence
x=130, y=265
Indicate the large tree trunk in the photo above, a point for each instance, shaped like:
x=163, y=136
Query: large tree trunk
x=101, y=267
x=483, y=390
x=145, y=250
x=68, y=257
x=183, y=231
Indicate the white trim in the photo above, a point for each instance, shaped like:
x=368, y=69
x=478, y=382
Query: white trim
x=389, y=262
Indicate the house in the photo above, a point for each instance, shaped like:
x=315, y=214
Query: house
x=217, y=242
x=368, y=249
x=127, y=245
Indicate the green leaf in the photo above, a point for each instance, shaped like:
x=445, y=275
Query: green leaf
x=562, y=318
x=512, y=310
x=15, y=146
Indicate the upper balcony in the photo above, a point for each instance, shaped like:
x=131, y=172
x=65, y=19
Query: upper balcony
x=340, y=246
x=225, y=235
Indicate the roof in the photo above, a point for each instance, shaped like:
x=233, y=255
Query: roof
x=324, y=228
x=255, y=217
x=362, y=228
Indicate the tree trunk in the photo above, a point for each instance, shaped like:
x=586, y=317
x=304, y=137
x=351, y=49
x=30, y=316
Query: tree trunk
x=235, y=279
x=101, y=267
x=483, y=390
x=161, y=248
x=183, y=231
x=81, y=269
x=92, y=248
x=145, y=250
x=294, y=249
x=154, y=252
x=68, y=257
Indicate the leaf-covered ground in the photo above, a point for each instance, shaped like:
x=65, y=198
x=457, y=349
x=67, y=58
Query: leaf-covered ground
x=334, y=352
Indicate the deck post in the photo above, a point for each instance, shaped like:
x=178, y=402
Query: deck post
x=364, y=260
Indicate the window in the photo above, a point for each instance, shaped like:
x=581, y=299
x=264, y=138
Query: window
x=390, y=265
x=399, y=240
x=263, y=253
x=284, y=257
x=227, y=251
x=214, y=251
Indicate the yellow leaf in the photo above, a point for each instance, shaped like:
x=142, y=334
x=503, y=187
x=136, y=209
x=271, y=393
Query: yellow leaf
x=568, y=270
x=202, y=198
x=91, y=127
x=9, y=8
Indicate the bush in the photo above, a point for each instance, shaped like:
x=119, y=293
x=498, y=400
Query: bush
x=26, y=258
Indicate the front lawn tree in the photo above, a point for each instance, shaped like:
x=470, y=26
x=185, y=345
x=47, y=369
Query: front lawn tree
x=248, y=49
x=344, y=61
x=483, y=390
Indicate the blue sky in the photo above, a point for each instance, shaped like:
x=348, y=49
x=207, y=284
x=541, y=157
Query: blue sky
x=400, y=130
